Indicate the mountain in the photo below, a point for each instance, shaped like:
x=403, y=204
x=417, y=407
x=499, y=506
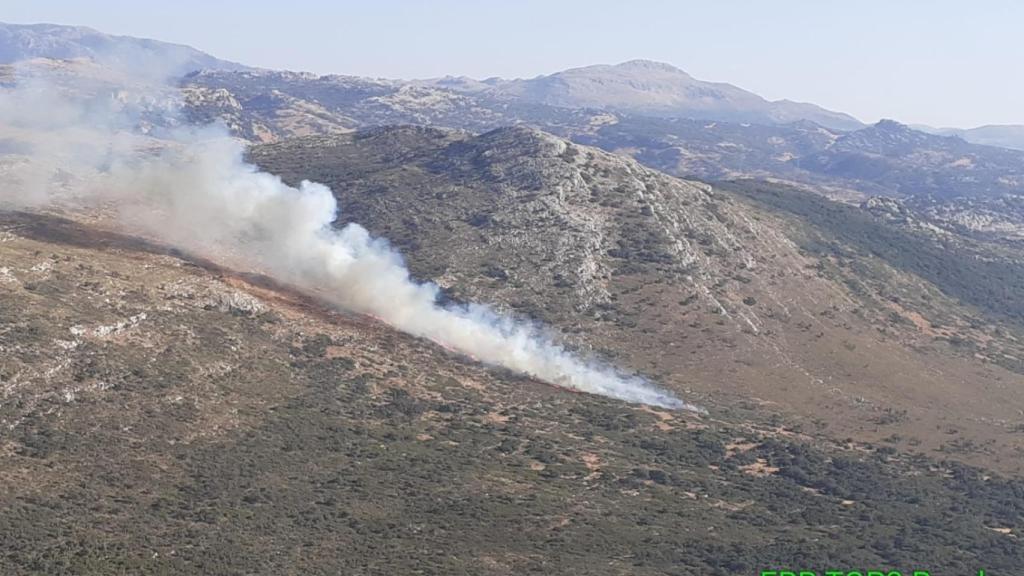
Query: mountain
x=265, y=106
x=961, y=187
x=1006, y=136
x=143, y=57
x=724, y=293
x=906, y=162
x=887, y=158
x=654, y=88
x=575, y=101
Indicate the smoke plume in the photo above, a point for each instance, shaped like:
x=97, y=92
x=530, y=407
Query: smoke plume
x=191, y=188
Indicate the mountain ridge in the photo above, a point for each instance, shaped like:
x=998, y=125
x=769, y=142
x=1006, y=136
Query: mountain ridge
x=1003, y=135
x=139, y=55
x=656, y=88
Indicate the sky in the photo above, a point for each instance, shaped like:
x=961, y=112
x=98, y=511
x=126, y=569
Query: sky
x=937, y=62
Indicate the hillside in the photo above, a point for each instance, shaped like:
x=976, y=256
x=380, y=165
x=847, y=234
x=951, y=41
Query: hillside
x=162, y=415
x=725, y=300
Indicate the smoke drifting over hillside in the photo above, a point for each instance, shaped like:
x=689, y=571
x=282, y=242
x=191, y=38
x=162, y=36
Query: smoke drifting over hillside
x=192, y=189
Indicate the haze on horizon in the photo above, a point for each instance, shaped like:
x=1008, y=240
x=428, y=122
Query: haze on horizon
x=939, y=63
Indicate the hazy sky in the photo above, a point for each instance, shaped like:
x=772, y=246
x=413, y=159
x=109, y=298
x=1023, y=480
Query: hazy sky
x=940, y=62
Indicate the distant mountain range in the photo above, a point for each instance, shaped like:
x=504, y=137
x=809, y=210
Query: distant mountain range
x=24, y=42
x=1005, y=135
x=652, y=88
x=651, y=111
x=636, y=87
x=887, y=158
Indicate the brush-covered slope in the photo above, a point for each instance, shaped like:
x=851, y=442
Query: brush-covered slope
x=710, y=294
x=160, y=415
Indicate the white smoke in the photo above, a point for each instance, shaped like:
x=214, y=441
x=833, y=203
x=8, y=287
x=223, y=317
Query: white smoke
x=194, y=191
